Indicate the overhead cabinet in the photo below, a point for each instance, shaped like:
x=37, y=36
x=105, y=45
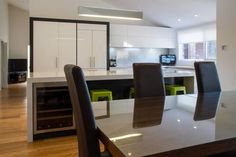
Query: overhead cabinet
x=118, y=36
x=92, y=46
x=142, y=36
x=54, y=46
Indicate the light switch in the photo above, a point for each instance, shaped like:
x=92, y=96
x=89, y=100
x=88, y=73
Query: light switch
x=224, y=47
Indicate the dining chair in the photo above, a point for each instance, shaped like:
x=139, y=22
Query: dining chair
x=86, y=128
x=208, y=81
x=207, y=77
x=148, y=80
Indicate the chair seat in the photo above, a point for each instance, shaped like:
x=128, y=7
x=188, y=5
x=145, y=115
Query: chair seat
x=131, y=92
x=101, y=94
x=174, y=89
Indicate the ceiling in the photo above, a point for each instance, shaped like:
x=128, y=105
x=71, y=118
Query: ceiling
x=159, y=12
x=23, y=4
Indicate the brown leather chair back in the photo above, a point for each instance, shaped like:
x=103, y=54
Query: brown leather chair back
x=84, y=119
x=148, y=80
x=207, y=77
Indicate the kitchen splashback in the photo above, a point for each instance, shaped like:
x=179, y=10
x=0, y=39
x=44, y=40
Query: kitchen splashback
x=125, y=57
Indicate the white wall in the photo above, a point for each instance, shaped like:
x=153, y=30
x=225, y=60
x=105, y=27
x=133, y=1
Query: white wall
x=226, y=35
x=4, y=20
x=18, y=32
x=3, y=29
x=67, y=9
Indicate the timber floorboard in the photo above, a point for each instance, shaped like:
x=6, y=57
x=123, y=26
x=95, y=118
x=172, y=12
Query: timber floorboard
x=13, y=130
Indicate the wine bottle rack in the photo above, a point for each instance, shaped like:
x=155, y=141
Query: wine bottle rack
x=52, y=108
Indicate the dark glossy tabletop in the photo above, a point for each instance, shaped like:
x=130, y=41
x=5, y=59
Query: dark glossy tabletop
x=141, y=127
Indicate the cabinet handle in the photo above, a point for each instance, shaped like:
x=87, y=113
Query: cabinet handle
x=94, y=62
x=56, y=62
x=90, y=62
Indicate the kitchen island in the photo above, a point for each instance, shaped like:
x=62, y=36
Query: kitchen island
x=49, y=108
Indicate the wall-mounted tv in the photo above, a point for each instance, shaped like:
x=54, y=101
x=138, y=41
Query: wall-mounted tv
x=169, y=59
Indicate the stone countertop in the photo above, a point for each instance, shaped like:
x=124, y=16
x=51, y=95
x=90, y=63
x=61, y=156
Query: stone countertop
x=180, y=67
x=91, y=75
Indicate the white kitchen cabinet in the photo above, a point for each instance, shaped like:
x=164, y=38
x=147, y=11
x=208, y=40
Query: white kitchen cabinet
x=54, y=46
x=142, y=36
x=45, y=46
x=92, y=46
x=118, y=35
x=66, y=45
x=84, y=43
x=100, y=49
x=118, y=41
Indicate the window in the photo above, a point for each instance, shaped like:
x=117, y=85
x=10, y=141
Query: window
x=198, y=50
x=197, y=43
x=211, y=49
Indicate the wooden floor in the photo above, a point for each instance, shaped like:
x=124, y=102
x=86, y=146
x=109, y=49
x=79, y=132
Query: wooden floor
x=13, y=130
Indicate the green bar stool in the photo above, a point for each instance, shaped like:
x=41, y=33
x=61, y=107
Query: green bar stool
x=175, y=89
x=131, y=92
x=101, y=95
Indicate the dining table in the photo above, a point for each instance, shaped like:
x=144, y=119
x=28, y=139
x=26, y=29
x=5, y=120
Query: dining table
x=202, y=124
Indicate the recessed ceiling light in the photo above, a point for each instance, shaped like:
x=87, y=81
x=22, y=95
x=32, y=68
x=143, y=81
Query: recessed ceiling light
x=179, y=20
x=196, y=15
